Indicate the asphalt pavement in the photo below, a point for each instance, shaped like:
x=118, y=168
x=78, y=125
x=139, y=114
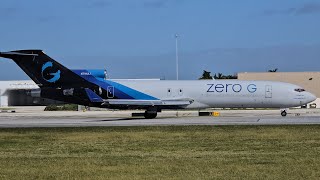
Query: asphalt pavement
x=34, y=118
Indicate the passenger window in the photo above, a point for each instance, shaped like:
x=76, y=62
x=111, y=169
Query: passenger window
x=180, y=92
x=169, y=91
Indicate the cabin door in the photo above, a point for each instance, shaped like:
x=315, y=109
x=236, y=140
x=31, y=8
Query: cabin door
x=268, y=91
x=110, y=91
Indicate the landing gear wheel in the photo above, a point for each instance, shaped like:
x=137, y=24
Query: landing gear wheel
x=150, y=115
x=283, y=113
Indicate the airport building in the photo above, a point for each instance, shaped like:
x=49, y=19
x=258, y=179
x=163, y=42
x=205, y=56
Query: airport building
x=310, y=81
x=11, y=91
x=18, y=93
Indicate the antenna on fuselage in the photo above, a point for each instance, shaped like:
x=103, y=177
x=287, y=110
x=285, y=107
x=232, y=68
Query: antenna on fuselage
x=177, y=57
x=106, y=75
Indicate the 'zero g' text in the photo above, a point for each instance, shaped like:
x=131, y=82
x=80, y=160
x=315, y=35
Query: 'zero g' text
x=237, y=88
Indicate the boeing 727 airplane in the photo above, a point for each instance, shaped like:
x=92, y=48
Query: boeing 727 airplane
x=89, y=88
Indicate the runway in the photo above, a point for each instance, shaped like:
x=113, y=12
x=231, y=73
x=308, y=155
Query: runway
x=37, y=121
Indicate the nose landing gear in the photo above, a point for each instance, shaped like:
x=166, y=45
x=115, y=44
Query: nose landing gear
x=283, y=113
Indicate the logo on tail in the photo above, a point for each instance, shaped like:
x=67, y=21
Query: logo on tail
x=50, y=77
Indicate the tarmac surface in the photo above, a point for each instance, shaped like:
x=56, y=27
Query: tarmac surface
x=25, y=118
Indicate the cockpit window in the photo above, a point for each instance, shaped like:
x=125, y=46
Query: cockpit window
x=299, y=90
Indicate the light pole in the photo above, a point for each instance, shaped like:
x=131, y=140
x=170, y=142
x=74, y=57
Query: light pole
x=177, y=57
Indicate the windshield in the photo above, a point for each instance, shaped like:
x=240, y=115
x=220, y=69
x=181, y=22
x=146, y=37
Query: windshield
x=299, y=90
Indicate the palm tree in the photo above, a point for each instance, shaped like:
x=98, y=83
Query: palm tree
x=221, y=76
x=206, y=75
x=273, y=70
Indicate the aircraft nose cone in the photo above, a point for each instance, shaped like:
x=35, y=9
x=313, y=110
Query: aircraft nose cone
x=311, y=97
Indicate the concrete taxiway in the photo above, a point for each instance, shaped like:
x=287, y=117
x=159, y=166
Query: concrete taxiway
x=27, y=118
x=16, y=122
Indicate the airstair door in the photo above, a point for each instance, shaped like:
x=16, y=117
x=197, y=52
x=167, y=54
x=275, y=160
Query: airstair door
x=268, y=91
x=110, y=91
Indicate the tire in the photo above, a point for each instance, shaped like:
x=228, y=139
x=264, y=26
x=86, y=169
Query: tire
x=284, y=113
x=150, y=115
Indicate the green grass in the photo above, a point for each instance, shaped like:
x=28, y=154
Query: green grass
x=63, y=107
x=180, y=152
x=4, y=109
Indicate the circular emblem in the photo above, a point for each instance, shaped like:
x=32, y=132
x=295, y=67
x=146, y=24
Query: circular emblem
x=50, y=74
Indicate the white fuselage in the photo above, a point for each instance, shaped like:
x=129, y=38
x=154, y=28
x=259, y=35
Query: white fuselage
x=224, y=93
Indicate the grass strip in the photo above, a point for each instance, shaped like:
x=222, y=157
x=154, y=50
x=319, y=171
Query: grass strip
x=177, y=152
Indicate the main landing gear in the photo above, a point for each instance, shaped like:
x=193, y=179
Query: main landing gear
x=151, y=113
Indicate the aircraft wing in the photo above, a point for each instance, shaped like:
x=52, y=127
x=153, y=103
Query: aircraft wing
x=94, y=98
x=130, y=102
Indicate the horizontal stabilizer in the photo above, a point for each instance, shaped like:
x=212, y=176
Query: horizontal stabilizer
x=93, y=97
x=13, y=53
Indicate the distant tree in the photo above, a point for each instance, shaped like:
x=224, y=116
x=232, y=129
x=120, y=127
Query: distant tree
x=206, y=75
x=235, y=76
x=273, y=70
x=221, y=76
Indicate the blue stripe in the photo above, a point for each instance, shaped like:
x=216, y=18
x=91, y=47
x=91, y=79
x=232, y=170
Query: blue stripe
x=120, y=91
x=131, y=92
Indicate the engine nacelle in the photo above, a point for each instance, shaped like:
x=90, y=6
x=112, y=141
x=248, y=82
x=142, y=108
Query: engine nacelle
x=34, y=93
x=98, y=73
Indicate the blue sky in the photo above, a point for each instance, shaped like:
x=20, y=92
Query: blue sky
x=135, y=38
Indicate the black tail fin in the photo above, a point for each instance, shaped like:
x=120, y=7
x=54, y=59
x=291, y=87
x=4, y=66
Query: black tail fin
x=42, y=69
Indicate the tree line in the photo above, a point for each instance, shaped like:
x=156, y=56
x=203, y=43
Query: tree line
x=207, y=75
